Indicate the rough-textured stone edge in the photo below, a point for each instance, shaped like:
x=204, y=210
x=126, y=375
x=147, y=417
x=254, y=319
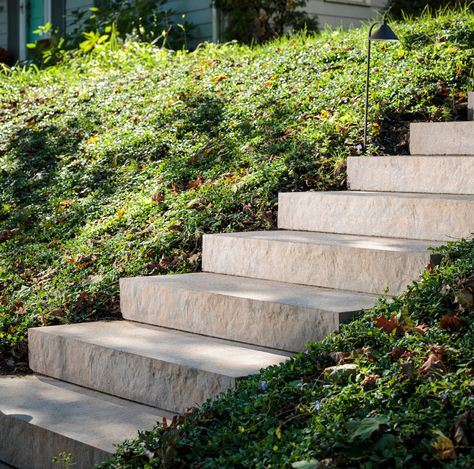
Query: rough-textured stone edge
x=38, y=446
x=470, y=106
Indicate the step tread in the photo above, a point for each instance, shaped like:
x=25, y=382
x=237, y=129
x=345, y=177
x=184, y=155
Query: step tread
x=83, y=415
x=409, y=215
x=442, y=138
x=408, y=157
x=184, y=349
x=394, y=195
x=412, y=174
x=327, y=299
x=336, y=239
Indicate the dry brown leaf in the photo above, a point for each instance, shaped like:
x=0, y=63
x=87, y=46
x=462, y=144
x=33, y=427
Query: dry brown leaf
x=433, y=366
x=460, y=430
x=444, y=447
x=388, y=325
x=370, y=381
x=157, y=197
x=422, y=328
x=396, y=353
x=220, y=78
x=450, y=322
x=196, y=183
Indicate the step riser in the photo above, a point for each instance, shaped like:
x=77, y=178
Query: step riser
x=442, y=138
x=470, y=107
x=412, y=174
x=317, y=265
x=138, y=378
x=371, y=214
x=27, y=446
x=262, y=323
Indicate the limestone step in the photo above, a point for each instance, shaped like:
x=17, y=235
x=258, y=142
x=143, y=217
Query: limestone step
x=442, y=138
x=345, y=262
x=260, y=312
x=470, y=106
x=429, y=174
x=443, y=217
x=42, y=417
x=160, y=367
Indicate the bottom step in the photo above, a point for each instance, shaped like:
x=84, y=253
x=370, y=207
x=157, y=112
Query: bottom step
x=41, y=417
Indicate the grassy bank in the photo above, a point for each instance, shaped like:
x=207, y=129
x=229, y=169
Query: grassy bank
x=115, y=163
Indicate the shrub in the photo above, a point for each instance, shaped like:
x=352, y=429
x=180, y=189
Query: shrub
x=111, y=22
x=400, y=8
x=261, y=20
x=143, y=20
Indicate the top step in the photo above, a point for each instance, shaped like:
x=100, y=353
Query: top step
x=442, y=138
x=470, y=107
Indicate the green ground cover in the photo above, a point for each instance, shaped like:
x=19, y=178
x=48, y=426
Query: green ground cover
x=113, y=164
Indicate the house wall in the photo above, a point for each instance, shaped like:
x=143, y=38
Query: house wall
x=199, y=13
x=345, y=13
x=3, y=24
x=70, y=6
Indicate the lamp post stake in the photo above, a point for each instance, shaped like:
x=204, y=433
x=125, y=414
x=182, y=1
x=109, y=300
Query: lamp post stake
x=367, y=85
x=384, y=33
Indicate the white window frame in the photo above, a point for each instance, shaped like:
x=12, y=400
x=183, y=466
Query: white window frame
x=48, y=14
x=22, y=30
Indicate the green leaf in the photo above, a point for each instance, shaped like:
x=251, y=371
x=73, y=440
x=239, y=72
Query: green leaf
x=312, y=464
x=366, y=427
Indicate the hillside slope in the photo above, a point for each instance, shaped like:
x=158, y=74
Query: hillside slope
x=114, y=164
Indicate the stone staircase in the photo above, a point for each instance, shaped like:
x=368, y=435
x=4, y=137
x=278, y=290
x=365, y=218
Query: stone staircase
x=261, y=297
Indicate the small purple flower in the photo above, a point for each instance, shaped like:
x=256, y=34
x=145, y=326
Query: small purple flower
x=360, y=147
x=445, y=396
x=262, y=386
x=317, y=405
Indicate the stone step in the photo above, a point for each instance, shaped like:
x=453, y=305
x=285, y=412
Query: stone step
x=470, y=106
x=42, y=417
x=428, y=174
x=160, y=367
x=392, y=214
x=345, y=262
x=260, y=312
x=442, y=138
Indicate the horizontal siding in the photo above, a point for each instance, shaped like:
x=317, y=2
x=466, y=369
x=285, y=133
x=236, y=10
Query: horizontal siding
x=3, y=24
x=75, y=4
x=72, y=5
x=346, y=13
x=199, y=13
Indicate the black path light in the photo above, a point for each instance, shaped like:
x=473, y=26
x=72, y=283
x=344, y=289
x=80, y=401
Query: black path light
x=384, y=33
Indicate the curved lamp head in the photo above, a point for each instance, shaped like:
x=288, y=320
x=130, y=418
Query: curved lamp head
x=384, y=33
